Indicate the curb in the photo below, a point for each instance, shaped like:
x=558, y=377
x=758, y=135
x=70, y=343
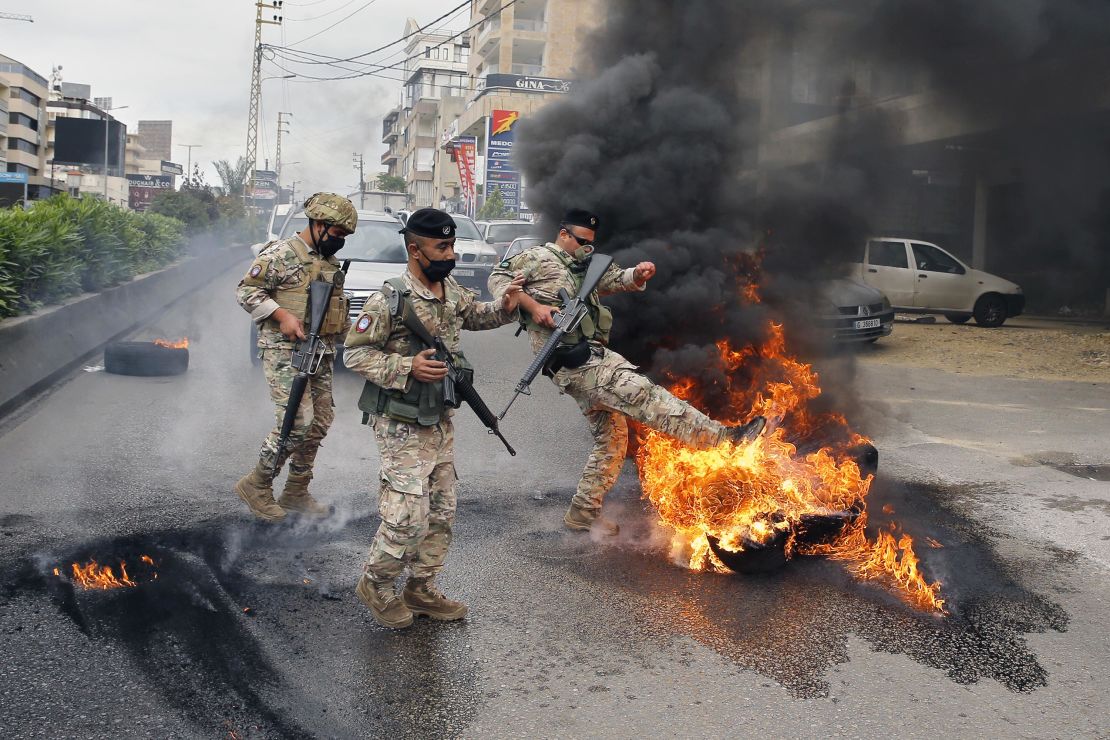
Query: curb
x=37, y=349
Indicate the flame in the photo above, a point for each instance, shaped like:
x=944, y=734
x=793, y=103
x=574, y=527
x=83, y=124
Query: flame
x=758, y=490
x=97, y=576
x=182, y=343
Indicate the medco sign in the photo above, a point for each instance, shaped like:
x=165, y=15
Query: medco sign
x=524, y=83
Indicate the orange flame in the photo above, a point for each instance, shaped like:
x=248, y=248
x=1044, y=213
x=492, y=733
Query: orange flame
x=182, y=343
x=735, y=491
x=97, y=576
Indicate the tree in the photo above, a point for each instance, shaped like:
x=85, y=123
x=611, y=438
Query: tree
x=234, y=177
x=494, y=208
x=391, y=183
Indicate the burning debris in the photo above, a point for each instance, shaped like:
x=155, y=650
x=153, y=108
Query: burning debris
x=93, y=576
x=182, y=343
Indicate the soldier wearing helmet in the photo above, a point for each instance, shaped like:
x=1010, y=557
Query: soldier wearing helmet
x=275, y=293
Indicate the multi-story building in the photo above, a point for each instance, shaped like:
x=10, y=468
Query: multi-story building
x=435, y=79
x=157, y=139
x=70, y=100
x=24, y=144
x=522, y=55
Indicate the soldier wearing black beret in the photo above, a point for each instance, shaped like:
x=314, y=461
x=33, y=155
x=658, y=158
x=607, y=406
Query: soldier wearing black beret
x=606, y=386
x=402, y=401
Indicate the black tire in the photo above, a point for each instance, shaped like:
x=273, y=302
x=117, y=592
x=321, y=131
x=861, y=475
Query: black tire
x=255, y=359
x=958, y=318
x=990, y=311
x=144, y=359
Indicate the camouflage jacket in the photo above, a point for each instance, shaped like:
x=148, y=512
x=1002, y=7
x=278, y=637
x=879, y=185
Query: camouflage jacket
x=380, y=349
x=275, y=266
x=546, y=269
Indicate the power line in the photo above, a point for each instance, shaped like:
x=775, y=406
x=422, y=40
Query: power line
x=333, y=61
x=427, y=25
x=322, y=15
x=325, y=30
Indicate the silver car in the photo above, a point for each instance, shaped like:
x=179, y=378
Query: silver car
x=853, y=312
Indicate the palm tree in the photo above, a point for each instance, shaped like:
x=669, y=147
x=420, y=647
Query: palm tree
x=234, y=177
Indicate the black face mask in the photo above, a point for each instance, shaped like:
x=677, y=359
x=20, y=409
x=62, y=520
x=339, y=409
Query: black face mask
x=328, y=245
x=437, y=270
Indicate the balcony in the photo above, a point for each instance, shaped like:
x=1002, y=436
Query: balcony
x=530, y=25
x=390, y=134
x=485, y=7
x=528, y=70
x=488, y=35
x=389, y=157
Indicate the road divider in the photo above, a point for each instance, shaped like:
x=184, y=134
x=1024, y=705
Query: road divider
x=35, y=350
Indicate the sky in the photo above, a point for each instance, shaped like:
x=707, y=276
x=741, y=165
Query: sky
x=190, y=62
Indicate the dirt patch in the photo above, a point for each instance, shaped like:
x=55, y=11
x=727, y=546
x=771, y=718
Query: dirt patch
x=1033, y=349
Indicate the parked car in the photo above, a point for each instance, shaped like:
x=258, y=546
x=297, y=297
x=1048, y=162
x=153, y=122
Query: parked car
x=520, y=244
x=377, y=253
x=277, y=218
x=919, y=277
x=853, y=312
x=474, y=258
x=500, y=234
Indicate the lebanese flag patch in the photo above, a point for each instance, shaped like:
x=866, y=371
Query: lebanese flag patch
x=363, y=324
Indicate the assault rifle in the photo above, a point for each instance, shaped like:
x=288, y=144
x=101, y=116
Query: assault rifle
x=309, y=353
x=567, y=320
x=455, y=386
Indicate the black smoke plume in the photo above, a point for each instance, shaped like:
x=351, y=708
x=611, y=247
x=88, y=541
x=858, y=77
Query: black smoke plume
x=680, y=101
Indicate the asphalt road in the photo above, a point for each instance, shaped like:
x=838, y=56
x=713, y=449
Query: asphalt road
x=254, y=631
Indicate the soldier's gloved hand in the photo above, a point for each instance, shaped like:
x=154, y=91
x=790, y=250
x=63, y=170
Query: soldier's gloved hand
x=289, y=325
x=427, y=369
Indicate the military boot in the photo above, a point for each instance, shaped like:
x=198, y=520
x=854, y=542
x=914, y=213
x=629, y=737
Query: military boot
x=746, y=432
x=257, y=491
x=421, y=597
x=388, y=610
x=296, y=498
x=587, y=520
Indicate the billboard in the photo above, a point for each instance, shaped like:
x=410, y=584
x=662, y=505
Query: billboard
x=526, y=83
x=80, y=141
x=465, y=150
x=141, y=189
x=501, y=174
x=265, y=186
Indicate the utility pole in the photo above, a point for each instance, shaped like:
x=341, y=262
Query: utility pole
x=360, y=166
x=189, y=167
x=277, y=159
x=16, y=17
x=293, y=193
x=256, y=89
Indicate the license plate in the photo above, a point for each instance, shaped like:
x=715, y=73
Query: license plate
x=867, y=324
x=464, y=273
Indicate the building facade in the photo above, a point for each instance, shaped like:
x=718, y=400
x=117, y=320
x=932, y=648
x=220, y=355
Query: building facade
x=156, y=138
x=24, y=140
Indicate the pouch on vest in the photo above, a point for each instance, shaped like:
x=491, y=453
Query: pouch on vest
x=568, y=355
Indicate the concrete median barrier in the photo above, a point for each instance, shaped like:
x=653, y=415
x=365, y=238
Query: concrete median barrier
x=36, y=349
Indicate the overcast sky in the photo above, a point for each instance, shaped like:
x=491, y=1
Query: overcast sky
x=190, y=62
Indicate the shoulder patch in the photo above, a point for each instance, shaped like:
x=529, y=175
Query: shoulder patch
x=363, y=324
x=504, y=263
x=256, y=270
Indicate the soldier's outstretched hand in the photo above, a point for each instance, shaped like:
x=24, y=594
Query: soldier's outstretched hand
x=427, y=369
x=511, y=299
x=644, y=271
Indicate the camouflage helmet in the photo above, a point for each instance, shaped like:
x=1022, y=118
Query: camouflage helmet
x=332, y=209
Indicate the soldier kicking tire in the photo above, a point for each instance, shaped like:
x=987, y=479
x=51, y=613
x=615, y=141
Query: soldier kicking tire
x=144, y=359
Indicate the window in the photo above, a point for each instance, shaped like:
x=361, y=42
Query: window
x=13, y=167
x=427, y=52
x=22, y=146
x=21, y=119
x=18, y=93
x=931, y=259
x=888, y=254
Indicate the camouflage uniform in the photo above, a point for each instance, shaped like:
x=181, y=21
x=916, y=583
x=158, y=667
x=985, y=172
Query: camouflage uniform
x=416, y=498
x=607, y=387
x=277, y=267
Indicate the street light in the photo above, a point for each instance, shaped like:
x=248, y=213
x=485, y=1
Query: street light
x=107, y=110
x=277, y=77
x=189, y=166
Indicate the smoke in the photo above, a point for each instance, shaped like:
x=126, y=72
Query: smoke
x=680, y=102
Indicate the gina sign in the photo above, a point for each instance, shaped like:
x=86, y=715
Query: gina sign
x=528, y=84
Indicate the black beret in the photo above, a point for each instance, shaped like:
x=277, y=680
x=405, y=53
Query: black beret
x=579, y=217
x=430, y=222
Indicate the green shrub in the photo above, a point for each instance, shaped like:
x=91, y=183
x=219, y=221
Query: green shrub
x=63, y=246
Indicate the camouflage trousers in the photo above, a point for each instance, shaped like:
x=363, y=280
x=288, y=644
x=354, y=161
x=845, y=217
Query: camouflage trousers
x=314, y=415
x=608, y=389
x=416, y=499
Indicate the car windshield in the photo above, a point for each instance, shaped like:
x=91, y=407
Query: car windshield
x=465, y=229
x=508, y=232
x=373, y=241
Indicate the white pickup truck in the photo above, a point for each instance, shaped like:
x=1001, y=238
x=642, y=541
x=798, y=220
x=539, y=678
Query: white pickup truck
x=919, y=277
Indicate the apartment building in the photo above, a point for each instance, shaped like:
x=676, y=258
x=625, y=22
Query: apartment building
x=25, y=115
x=86, y=175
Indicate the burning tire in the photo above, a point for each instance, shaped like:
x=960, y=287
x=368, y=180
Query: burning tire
x=145, y=359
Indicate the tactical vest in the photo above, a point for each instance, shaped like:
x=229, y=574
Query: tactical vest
x=294, y=298
x=597, y=322
x=422, y=403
